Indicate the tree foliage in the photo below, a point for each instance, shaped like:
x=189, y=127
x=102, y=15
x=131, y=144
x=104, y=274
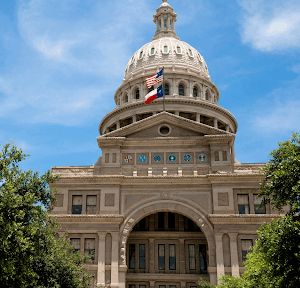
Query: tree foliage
x=29, y=254
x=281, y=184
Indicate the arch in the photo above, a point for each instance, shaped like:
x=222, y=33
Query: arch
x=133, y=217
x=195, y=91
x=125, y=98
x=207, y=94
x=181, y=89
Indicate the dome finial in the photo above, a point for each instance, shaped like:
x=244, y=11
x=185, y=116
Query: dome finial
x=164, y=1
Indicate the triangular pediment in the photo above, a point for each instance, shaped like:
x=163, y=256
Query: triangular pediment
x=151, y=127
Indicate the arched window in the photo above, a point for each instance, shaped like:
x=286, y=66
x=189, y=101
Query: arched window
x=141, y=54
x=178, y=49
x=195, y=92
x=206, y=95
x=167, y=89
x=126, y=98
x=137, y=94
x=181, y=90
x=165, y=49
x=152, y=50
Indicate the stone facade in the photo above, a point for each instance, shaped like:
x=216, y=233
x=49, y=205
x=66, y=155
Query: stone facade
x=167, y=202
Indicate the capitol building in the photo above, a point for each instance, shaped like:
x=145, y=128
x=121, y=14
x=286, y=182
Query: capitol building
x=167, y=203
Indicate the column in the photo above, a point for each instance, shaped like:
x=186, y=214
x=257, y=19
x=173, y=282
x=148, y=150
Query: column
x=172, y=25
x=162, y=22
x=235, y=269
x=219, y=254
x=82, y=245
x=227, y=128
x=215, y=122
x=198, y=117
x=101, y=259
x=83, y=204
x=151, y=255
x=133, y=118
x=115, y=260
x=152, y=284
x=177, y=113
x=118, y=124
x=182, y=256
x=168, y=22
x=157, y=26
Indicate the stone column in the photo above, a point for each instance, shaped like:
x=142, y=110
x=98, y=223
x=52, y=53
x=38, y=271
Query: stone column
x=101, y=259
x=157, y=25
x=198, y=117
x=133, y=118
x=118, y=124
x=172, y=25
x=182, y=256
x=152, y=284
x=215, y=122
x=168, y=22
x=235, y=269
x=219, y=254
x=162, y=22
x=115, y=260
x=227, y=128
x=82, y=246
x=177, y=113
x=151, y=255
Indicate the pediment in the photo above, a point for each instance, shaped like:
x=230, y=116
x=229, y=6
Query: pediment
x=179, y=127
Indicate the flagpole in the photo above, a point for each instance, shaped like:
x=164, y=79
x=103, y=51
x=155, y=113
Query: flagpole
x=164, y=88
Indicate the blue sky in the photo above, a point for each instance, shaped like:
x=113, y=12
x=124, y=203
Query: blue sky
x=62, y=60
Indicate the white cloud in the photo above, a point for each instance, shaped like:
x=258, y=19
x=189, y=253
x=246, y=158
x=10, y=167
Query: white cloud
x=279, y=112
x=271, y=25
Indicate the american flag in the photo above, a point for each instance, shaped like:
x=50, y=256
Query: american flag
x=157, y=78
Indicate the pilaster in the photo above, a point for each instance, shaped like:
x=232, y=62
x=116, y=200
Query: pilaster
x=219, y=254
x=101, y=259
x=235, y=269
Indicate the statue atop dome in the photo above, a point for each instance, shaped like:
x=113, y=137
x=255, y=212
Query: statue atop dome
x=164, y=20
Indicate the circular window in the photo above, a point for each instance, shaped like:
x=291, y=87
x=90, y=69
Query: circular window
x=172, y=158
x=143, y=158
x=157, y=158
x=202, y=157
x=164, y=130
x=187, y=157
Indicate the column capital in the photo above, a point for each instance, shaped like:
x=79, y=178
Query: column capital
x=114, y=234
x=219, y=235
x=101, y=234
x=232, y=236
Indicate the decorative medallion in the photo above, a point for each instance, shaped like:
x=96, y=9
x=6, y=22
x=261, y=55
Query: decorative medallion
x=157, y=158
x=172, y=158
x=202, y=157
x=143, y=158
x=187, y=157
x=127, y=158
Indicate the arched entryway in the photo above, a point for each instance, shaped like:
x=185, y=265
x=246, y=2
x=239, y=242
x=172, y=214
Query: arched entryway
x=166, y=245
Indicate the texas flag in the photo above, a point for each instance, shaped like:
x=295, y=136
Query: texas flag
x=154, y=94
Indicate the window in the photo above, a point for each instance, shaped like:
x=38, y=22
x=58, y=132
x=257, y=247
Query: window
x=89, y=248
x=171, y=221
x=161, y=220
x=246, y=244
x=217, y=156
x=224, y=154
x=181, y=90
x=77, y=205
x=202, y=257
x=141, y=54
x=165, y=23
x=137, y=94
x=161, y=257
x=243, y=203
x=172, y=257
x=206, y=95
x=91, y=204
x=142, y=261
x=165, y=49
x=76, y=243
x=152, y=51
x=142, y=286
x=126, y=98
x=190, y=53
x=257, y=202
x=131, y=256
x=195, y=92
x=192, y=257
x=178, y=49
x=131, y=286
x=167, y=89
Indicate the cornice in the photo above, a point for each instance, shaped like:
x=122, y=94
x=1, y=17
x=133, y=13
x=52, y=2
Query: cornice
x=103, y=219
x=242, y=219
x=141, y=103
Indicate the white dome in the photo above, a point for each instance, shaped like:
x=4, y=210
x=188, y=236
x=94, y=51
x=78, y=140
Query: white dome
x=166, y=51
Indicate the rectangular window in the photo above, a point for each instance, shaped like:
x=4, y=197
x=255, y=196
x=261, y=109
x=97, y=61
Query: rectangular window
x=142, y=286
x=77, y=205
x=152, y=51
x=192, y=257
x=224, y=155
x=91, y=204
x=172, y=286
x=246, y=245
x=172, y=257
x=89, y=248
x=217, y=156
x=131, y=286
x=106, y=157
x=114, y=157
x=171, y=221
x=76, y=243
x=161, y=220
x=243, y=203
x=131, y=256
x=202, y=257
x=161, y=257
x=142, y=256
x=162, y=286
x=257, y=202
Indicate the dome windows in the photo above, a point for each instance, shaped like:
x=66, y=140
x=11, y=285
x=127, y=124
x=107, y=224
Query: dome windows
x=141, y=54
x=207, y=95
x=191, y=53
x=125, y=98
x=178, y=50
x=195, y=92
x=137, y=94
x=181, y=90
x=165, y=49
x=152, y=51
x=167, y=89
x=165, y=23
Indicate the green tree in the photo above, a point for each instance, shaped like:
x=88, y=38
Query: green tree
x=281, y=184
x=29, y=254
